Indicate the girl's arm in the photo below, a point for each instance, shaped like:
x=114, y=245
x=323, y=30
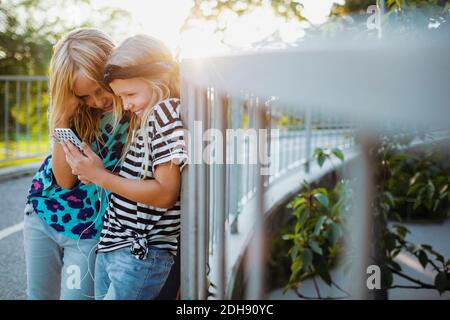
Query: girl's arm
x=162, y=192
x=61, y=169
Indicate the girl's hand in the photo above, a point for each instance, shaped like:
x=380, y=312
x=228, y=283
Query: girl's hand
x=84, y=180
x=86, y=166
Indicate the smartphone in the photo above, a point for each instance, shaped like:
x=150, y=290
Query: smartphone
x=64, y=134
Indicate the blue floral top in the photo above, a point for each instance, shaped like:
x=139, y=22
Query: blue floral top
x=78, y=212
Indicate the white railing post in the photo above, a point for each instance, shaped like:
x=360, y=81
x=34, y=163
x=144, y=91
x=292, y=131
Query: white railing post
x=188, y=251
x=219, y=187
x=6, y=115
x=308, y=119
x=235, y=185
x=360, y=219
x=28, y=116
x=39, y=113
x=255, y=262
x=17, y=137
x=200, y=111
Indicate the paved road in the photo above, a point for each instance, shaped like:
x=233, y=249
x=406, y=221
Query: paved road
x=12, y=259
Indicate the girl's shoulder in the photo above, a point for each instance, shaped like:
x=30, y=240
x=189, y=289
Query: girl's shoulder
x=166, y=111
x=171, y=104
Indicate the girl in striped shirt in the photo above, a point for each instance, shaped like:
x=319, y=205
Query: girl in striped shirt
x=141, y=226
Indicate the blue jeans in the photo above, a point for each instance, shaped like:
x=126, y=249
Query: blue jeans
x=120, y=276
x=58, y=267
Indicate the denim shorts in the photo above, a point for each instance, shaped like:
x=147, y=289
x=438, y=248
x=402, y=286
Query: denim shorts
x=120, y=276
x=58, y=267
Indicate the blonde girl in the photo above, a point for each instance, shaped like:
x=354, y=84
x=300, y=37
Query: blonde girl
x=63, y=216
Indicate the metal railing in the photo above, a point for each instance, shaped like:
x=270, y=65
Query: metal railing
x=315, y=97
x=23, y=109
x=218, y=192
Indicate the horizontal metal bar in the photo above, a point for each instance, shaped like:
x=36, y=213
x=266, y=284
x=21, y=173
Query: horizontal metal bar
x=22, y=78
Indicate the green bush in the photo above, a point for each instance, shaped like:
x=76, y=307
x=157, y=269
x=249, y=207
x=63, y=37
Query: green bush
x=419, y=181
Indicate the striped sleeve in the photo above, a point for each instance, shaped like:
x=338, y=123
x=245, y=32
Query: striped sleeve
x=168, y=135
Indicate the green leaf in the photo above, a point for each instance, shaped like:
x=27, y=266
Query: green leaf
x=417, y=203
x=297, y=202
x=401, y=230
x=322, y=269
x=414, y=179
x=315, y=247
x=296, y=267
x=395, y=265
x=319, y=224
x=294, y=251
x=288, y=236
x=321, y=190
x=439, y=257
x=297, y=228
x=317, y=152
x=322, y=198
x=395, y=252
x=336, y=209
x=386, y=277
x=414, y=189
x=307, y=258
x=338, y=153
x=390, y=198
x=443, y=190
x=395, y=216
x=441, y=282
x=304, y=216
x=436, y=205
x=430, y=192
x=390, y=242
x=334, y=233
x=321, y=159
x=423, y=258
x=412, y=247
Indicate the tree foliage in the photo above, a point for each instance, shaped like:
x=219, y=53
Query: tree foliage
x=292, y=9
x=28, y=30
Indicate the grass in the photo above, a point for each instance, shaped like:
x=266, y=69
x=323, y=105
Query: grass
x=12, y=163
x=28, y=151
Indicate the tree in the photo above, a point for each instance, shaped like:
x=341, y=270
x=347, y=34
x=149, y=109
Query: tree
x=30, y=28
x=28, y=31
x=292, y=9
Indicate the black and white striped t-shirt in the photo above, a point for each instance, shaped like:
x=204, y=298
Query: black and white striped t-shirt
x=129, y=223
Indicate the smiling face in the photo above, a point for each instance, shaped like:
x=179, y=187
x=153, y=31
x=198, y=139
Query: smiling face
x=135, y=94
x=92, y=94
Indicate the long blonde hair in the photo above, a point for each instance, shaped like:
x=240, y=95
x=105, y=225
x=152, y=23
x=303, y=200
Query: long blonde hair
x=81, y=51
x=141, y=50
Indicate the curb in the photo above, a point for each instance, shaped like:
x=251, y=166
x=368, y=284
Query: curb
x=19, y=171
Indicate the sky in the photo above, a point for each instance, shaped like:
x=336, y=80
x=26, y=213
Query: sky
x=163, y=19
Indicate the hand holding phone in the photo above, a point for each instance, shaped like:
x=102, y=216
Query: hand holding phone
x=64, y=134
